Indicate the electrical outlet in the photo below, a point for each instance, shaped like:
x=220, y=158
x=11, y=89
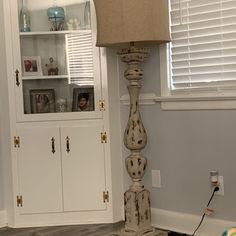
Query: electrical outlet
x=221, y=186
x=214, y=176
x=156, y=178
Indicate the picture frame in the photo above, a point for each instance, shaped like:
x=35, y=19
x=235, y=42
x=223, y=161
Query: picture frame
x=83, y=99
x=42, y=100
x=32, y=66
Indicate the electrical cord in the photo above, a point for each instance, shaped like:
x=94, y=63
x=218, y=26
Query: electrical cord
x=203, y=216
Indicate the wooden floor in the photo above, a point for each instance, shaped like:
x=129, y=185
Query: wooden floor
x=74, y=230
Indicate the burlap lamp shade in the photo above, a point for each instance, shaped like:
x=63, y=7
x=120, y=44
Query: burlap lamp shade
x=124, y=21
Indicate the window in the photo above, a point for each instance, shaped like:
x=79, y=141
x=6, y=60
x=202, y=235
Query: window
x=202, y=55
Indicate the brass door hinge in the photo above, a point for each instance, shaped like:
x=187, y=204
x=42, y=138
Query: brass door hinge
x=102, y=105
x=16, y=141
x=103, y=137
x=19, y=201
x=105, y=196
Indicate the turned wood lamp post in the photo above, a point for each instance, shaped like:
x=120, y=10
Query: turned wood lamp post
x=128, y=22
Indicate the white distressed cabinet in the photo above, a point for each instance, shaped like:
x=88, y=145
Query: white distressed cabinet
x=39, y=170
x=61, y=169
x=85, y=162
x=59, y=157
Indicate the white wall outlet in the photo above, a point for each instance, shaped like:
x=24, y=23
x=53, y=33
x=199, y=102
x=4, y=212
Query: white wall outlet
x=221, y=186
x=214, y=176
x=156, y=179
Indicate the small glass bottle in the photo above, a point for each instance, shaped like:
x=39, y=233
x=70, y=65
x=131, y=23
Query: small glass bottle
x=24, y=18
x=87, y=16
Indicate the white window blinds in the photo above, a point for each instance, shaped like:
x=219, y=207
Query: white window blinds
x=203, y=48
x=79, y=48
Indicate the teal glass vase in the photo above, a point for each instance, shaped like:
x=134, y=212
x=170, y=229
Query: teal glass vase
x=56, y=15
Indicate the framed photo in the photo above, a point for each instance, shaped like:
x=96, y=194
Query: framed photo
x=32, y=66
x=42, y=100
x=83, y=99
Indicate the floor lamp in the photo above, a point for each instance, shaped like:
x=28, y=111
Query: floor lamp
x=131, y=22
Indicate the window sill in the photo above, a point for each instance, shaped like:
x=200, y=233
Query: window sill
x=197, y=103
x=144, y=99
x=186, y=102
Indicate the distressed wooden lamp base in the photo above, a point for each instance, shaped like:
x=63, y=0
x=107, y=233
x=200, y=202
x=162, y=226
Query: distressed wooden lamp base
x=152, y=232
x=136, y=199
x=137, y=213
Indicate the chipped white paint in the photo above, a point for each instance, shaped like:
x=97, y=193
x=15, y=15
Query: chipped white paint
x=137, y=199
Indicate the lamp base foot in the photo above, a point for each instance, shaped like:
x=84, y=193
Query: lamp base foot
x=148, y=232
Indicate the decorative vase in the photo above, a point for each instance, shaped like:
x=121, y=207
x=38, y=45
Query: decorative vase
x=56, y=15
x=87, y=15
x=24, y=18
x=61, y=105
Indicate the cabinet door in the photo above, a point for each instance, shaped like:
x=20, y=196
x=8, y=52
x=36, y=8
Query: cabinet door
x=83, y=167
x=39, y=170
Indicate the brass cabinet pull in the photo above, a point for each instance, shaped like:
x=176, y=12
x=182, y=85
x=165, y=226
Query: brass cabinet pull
x=67, y=144
x=53, y=145
x=17, y=77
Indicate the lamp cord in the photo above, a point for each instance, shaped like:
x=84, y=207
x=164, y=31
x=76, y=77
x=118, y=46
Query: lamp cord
x=203, y=216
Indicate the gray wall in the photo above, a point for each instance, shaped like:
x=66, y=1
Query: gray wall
x=185, y=146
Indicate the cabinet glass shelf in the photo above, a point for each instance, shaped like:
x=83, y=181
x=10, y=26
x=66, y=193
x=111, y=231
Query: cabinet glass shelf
x=62, y=32
x=45, y=77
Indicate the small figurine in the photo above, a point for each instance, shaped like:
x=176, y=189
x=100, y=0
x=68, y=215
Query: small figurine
x=61, y=105
x=73, y=24
x=76, y=24
x=52, y=67
x=70, y=24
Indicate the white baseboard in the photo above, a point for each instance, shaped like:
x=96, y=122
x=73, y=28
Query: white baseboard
x=186, y=223
x=3, y=219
